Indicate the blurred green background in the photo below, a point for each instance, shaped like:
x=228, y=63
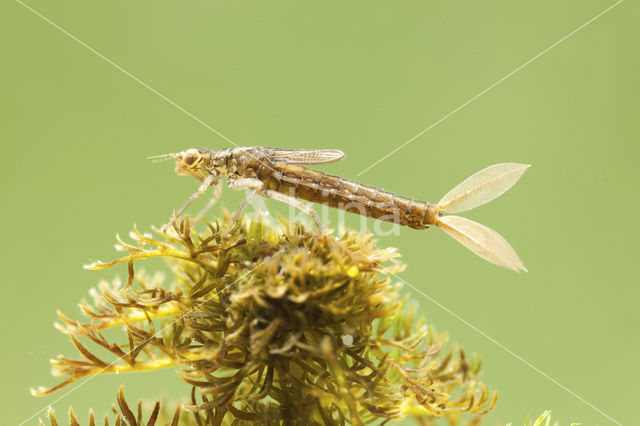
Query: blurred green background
x=362, y=77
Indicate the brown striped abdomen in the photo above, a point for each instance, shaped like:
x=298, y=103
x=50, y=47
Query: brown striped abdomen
x=354, y=197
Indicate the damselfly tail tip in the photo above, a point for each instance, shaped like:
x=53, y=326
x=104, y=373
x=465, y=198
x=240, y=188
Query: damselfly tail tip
x=481, y=240
x=482, y=187
x=516, y=265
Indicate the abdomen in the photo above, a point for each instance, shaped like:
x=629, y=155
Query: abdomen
x=354, y=197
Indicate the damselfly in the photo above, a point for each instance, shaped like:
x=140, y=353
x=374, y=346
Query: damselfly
x=280, y=174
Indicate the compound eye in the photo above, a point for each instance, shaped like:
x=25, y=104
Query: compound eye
x=189, y=159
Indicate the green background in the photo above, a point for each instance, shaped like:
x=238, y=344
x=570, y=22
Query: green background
x=362, y=77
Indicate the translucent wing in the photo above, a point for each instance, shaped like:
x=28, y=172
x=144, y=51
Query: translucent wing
x=304, y=156
x=483, y=241
x=482, y=187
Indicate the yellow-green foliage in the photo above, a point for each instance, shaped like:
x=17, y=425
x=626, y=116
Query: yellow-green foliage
x=544, y=420
x=272, y=327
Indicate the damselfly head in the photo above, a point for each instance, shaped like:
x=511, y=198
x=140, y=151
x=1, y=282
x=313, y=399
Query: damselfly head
x=194, y=162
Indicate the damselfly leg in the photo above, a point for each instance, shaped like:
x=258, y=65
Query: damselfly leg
x=217, y=193
x=256, y=187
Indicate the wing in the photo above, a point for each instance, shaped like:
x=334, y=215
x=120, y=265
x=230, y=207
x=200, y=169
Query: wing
x=303, y=156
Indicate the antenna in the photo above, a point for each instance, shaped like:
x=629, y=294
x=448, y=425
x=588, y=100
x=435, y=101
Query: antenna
x=161, y=157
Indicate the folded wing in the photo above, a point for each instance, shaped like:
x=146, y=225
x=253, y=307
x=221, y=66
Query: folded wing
x=304, y=156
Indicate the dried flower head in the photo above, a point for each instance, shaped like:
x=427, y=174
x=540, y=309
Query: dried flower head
x=273, y=326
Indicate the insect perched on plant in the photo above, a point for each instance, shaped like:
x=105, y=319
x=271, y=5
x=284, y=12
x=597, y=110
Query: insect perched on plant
x=279, y=174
